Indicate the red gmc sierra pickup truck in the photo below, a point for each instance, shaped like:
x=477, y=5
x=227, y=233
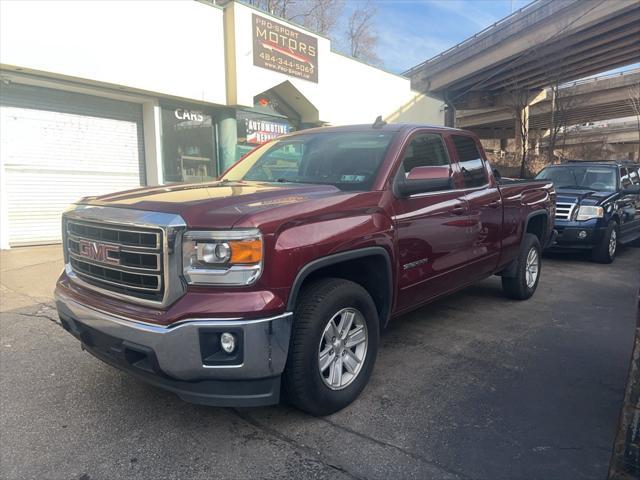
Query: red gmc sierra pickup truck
x=280, y=276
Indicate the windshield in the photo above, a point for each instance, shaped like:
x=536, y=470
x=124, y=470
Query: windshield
x=348, y=160
x=581, y=177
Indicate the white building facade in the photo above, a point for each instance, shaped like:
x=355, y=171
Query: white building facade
x=103, y=96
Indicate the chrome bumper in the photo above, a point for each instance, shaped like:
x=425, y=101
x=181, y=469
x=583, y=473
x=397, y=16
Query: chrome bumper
x=177, y=347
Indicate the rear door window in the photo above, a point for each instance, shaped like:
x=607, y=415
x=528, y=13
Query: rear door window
x=472, y=166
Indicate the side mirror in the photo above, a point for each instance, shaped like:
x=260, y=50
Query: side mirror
x=423, y=180
x=497, y=174
x=632, y=190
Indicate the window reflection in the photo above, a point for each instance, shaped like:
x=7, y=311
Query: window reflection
x=188, y=153
x=473, y=172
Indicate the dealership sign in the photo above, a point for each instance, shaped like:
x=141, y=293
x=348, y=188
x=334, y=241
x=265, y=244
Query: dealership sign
x=285, y=50
x=184, y=114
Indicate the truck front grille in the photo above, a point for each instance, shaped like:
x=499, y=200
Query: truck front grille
x=564, y=210
x=121, y=259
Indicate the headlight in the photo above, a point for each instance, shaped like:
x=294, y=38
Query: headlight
x=232, y=257
x=586, y=212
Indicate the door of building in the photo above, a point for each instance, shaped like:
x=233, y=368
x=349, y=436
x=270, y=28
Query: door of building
x=58, y=147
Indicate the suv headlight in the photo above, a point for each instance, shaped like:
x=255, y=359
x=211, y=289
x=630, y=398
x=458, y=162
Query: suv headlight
x=587, y=212
x=232, y=257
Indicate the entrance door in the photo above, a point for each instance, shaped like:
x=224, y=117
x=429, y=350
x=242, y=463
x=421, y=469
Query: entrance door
x=432, y=229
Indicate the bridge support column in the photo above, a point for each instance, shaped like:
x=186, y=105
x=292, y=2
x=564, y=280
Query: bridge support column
x=449, y=116
x=449, y=112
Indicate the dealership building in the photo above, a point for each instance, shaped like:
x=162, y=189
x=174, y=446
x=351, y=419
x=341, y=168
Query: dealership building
x=103, y=96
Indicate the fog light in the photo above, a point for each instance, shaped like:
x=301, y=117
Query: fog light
x=582, y=234
x=228, y=342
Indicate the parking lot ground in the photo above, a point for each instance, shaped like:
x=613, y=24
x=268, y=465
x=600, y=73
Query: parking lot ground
x=474, y=386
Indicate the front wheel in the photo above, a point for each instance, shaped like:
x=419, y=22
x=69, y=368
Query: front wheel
x=605, y=251
x=333, y=346
x=525, y=281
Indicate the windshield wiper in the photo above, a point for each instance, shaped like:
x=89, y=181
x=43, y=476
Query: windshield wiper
x=309, y=182
x=295, y=180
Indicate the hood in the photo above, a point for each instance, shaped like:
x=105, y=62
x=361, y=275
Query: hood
x=583, y=197
x=223, y=204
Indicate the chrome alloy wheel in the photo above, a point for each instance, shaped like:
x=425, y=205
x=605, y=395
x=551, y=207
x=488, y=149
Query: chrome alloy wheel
x=532, y=267
x=343, y=348
x=613, y=243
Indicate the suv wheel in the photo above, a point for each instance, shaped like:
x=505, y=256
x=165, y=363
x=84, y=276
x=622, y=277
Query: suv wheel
x=605, y=251
x=524, y=283
x=333, y=346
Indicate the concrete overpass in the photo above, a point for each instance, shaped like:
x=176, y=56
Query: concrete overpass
x=618, y=133
x=594, y=99
x=566, y=39
x=614, y=141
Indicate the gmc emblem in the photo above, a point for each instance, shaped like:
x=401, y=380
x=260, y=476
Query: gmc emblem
x=99, y=252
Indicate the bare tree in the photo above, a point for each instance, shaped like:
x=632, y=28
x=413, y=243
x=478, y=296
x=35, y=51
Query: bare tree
x=517, y=101
x=634, y=100
x=281, y=8
x=361, y=37
x=320, y=16
x=562, y=102
x=562, y=98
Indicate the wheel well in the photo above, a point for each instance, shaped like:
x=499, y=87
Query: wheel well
x=537, y=224
x=372, y=272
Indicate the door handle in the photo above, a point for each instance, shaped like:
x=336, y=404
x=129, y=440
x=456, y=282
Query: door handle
x=495, y=204
x=458, y=210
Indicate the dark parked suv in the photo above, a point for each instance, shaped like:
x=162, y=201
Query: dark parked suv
x=598, y=205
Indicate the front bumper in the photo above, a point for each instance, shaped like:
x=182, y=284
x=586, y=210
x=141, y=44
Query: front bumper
x=185, y=357
x=571, y=236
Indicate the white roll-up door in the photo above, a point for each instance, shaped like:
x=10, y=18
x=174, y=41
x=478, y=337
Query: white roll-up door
x=51, y=158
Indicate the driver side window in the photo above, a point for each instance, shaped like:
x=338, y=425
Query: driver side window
x=425, y=150
x=625, y=177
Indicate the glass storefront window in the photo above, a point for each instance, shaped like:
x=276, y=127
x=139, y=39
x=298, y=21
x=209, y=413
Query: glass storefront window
x=188, y=146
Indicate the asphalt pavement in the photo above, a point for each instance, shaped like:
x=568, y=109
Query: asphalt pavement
x=474, y=386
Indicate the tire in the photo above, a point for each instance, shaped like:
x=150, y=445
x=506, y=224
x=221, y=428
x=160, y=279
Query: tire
x=525, y=281
x=605, y=251
x=324, y=301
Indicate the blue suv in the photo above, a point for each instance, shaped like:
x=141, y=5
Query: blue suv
x=597, y=206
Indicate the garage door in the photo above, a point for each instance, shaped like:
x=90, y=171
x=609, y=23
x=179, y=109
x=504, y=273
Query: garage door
x=53, y=157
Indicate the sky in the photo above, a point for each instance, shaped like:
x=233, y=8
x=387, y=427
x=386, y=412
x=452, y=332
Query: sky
x=411, y=31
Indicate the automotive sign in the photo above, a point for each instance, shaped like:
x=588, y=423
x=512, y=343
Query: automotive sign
x=284, y=49
x=256, y=129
